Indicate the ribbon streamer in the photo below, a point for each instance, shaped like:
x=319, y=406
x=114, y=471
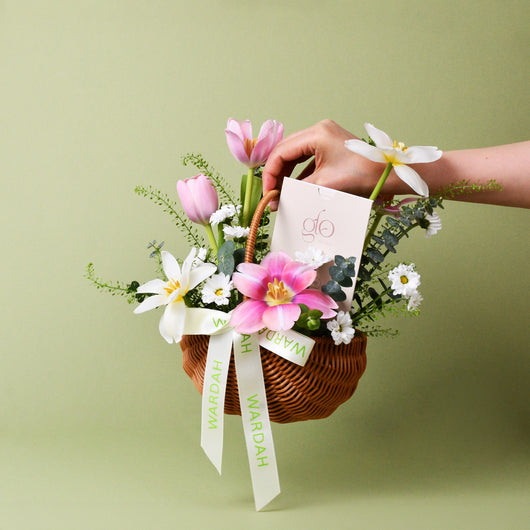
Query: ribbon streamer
x=256, y=423
x=291, y=345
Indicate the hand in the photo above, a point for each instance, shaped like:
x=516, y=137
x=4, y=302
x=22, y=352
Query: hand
x=333, y=165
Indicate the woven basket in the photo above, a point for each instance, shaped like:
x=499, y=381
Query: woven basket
x=294, y=393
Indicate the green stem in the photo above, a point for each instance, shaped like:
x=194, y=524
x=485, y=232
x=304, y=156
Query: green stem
x=248, y=197
x=382, y=180
x=211, y=237
x=373, y=228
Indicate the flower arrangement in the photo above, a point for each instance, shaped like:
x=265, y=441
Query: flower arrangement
x=255, y=316
x=275, y=291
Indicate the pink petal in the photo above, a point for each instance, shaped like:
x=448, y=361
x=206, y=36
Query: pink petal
x=186, y=199
x=270, y=134
x=298, y=276
x=251, y=280
x=282, y=316
x=275, y=262
x=237, y=147
x=247, y=317
x=315, y=299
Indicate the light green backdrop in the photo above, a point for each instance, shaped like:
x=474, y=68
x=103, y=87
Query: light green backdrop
x=99, y=426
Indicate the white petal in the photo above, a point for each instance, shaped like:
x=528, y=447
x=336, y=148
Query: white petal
x=422, y=154
x=150, y=302
x=368, y=151
x=380, y=137
x=170, y=265
x=200, y=274
x=172, y=322
x=410, y=177
x=153, y=286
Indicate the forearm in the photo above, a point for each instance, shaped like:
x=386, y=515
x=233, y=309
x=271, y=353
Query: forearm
x=508, y=165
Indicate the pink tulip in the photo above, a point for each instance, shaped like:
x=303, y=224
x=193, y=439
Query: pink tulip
x=253, y=152
x=198, y=197
x=274, y=289
x=383, y=204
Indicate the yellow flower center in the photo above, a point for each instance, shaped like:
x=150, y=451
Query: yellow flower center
x=249, y=145
x=404, y=280
x=277, y=293
x=172, y=286
x=401, y=146
x=219, y=292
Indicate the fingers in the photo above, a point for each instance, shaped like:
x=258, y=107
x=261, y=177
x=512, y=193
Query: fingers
x=287, y=154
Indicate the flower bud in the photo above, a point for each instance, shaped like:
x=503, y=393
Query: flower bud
x=198, y=197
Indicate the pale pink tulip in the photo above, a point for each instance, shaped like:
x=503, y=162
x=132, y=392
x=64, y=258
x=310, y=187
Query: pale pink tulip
x=198, y=197
x=253, y=152
x=274, y=289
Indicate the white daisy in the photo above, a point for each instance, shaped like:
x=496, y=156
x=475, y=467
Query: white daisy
x=222, y=214
x=217, y=289
x=341, y=328
x=405, y=280
x=235, y=232
x=414, y=301
x=312, y=256
x=435, y=224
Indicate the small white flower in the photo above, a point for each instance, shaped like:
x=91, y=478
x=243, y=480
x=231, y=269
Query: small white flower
x=341, y=328
x=235, y=232
x=199, y=259
x=435, y=224
x=225, y=212
x=312, y=256
x=397, y=154
x=217, y=289
x=414, y=301
x=405, y=280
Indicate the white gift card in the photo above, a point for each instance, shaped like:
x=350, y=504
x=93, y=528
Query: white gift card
x=328, y=220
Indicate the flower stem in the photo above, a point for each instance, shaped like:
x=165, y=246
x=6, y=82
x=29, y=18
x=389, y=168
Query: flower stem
x=211, y=237
x=382, y=180
x=248, y=197
x=373, y=228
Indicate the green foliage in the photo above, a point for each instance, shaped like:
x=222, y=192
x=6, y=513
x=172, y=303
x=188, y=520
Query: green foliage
x=463, y=187
x=170, y=207
x=224, y=191
x=373, y=296
x=116, y=288
x=309, y=319
x=341, y=274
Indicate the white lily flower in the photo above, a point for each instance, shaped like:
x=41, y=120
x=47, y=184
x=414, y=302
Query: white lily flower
x=171, y=292
x=397, y=154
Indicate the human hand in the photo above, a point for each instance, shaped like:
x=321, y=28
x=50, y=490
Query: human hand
x=332, y=165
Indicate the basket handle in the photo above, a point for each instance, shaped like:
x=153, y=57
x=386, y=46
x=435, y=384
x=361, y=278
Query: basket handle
x=251, y=240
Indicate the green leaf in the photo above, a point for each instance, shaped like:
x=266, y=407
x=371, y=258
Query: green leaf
x=225, y=258
x=374, y=255
x=334, y=290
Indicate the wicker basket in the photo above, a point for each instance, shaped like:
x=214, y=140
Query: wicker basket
x=294, y=393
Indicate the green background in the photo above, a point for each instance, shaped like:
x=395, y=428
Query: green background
x=99, y=425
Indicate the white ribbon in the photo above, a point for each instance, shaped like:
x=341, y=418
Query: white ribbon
x=290, y=345
x=256, y=423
